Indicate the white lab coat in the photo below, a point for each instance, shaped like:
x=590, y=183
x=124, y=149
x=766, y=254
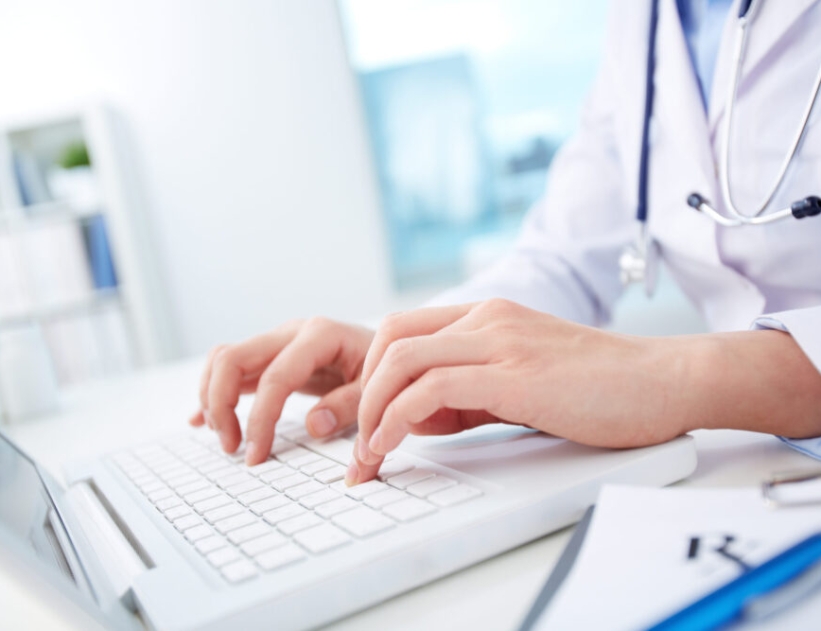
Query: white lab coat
x=566, y=259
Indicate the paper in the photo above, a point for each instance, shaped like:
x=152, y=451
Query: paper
x=649, y=552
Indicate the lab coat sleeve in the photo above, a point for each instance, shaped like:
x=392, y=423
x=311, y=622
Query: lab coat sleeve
x=804, y=325
x=565, y=260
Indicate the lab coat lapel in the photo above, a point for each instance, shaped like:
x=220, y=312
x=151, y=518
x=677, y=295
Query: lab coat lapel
x=771, y=23
x=684, y=161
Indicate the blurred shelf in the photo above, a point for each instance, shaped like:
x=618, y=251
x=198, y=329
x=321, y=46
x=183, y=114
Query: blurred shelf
x=76, y=258
x=101, y=298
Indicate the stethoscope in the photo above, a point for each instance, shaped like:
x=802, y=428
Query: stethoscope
x=636, y=261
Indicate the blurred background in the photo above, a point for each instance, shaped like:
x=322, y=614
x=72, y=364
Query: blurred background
x=180, y=173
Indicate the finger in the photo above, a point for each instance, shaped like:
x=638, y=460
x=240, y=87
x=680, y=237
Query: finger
x=205, y=379
x=335, y=411
x=359, y=471
x=448, y=421
x=319, y=343
x=231, y=369
x=444, y=421
x=454, y=387
x=409, y=324
x=404, y=361
x=197, y=420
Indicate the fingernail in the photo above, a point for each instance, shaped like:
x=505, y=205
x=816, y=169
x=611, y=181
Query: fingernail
x=351, y=474
x=375, y=443
x=252, y=455
x=323, y=422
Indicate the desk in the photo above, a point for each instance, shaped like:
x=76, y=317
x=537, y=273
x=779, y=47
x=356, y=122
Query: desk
x=496, y=594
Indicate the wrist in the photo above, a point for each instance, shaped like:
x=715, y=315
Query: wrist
x=685, y=372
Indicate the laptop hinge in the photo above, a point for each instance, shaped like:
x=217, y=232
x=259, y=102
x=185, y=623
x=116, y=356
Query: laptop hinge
x=117, y=557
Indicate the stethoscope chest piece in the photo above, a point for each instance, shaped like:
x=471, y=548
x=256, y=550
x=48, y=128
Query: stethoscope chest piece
x=638, y=263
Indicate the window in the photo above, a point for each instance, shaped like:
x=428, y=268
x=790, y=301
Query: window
x=466, y=101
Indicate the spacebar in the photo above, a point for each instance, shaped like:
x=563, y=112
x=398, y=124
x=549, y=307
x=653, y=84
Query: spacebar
x=337, y=449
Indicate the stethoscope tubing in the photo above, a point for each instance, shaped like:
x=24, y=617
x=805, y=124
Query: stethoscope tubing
x=807, y=207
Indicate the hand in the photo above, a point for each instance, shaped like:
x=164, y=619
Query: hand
x=317, y=356
x=443, y=370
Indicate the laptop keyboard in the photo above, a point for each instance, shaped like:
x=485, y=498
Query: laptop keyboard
x=247, y=521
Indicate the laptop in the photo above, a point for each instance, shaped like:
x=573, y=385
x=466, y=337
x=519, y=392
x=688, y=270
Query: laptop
x=177, y=535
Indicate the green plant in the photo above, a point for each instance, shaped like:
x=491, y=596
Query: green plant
x=74, y=154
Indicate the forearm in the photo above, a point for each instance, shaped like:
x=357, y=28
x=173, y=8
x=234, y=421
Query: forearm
x=753, y=380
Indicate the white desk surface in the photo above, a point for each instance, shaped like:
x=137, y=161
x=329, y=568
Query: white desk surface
x=496, y=594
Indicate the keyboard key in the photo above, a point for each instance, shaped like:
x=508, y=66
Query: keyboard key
x=269, y=504
x=321, y=538
x=221, y=472
x=173, y=472
x=168, y=502
x=213, y=465
x=198, y=532
x=394, y=467
x=204, y=460
x=409, y=509
x=301, y=461
x=276, y=474
x=183, y=480
x=160, y=494
x=204, y=494
x=152, y=485
x=370, y=487
x=404, y=480
x=383, y=498
x=223, y=512
x=178, y=511
x=209, y=544
x=292, y=480
x=232, y=523
x=238, y=457
x=296, y=433
x=261, y=544
x=193, y=487
x=295, y=524
x=243, y=487
x=295, y=492
x=454, y=495
x=431, y=485
x=283, y=512
x=264, y=492
x=246, y=533
x=264, y=467
x=362, y=522
x=281, y=444
x=186, y=522
x=279, y=557
x=320, y=497
x=337, y=449
x=335, y=507
x=332, y=474
x=292, y=454
x=235, y=478
x=203, y=506
x=320, y=464
x=239, y=571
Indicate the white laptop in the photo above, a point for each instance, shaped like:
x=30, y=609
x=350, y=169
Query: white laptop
x=177, y=535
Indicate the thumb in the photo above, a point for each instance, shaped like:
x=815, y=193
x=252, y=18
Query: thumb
x=336, y=411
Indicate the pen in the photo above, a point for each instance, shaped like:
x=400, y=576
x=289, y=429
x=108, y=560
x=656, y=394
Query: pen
x=764, y=590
